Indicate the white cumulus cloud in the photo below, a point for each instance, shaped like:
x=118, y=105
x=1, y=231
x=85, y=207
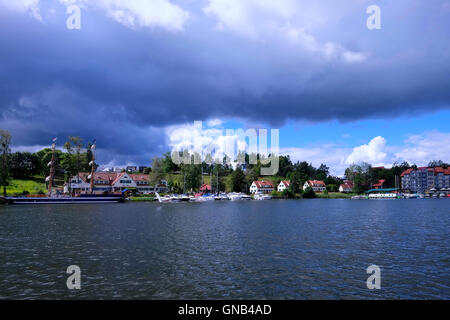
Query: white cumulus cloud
x=25, y=6
x=420, y=149
x=139, y=13
x=291, y=20
x=374, y=152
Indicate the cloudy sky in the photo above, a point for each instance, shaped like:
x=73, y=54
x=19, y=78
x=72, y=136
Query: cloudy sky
x=140, y=72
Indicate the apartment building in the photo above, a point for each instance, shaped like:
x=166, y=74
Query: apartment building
x=424, y=179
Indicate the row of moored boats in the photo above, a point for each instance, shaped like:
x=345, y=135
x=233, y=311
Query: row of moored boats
x=234, y=196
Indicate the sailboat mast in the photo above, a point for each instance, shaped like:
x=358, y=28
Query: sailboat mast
x=93, y=166
x=52, y=169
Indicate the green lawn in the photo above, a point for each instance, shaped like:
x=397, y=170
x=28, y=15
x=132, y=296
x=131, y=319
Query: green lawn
x=334, y=195
x=142, y=198
x=18, y=187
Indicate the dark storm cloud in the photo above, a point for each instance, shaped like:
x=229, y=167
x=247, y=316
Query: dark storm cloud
x=123, y=86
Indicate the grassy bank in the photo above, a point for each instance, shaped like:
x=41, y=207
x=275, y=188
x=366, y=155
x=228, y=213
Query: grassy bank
x=334, y=195
x=21, y=187
x=142, y=198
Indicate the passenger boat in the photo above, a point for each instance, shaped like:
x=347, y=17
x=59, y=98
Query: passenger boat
x=64, y=200
x=383, y=196
x=61, y=199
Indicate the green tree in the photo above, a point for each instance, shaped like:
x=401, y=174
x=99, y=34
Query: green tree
x=285, y=166
x=253, y=173
x=309, y=193
x=192, y=176
x=296, y=182
x=71, y=160
x=5, y=150
x=24, y=165
x=361, y=175
x=238, y=181
x=157, y=174
x=322, y=172
x=167, y=164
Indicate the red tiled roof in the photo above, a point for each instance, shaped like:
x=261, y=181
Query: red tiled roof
x=120, y=175
x=139, y=177
x=436, y=170
x=105, y=176
x=316, y=183
x=263, y=184
x=347, y=185
x=379, y=184
x=286, y=183
x=407, y=171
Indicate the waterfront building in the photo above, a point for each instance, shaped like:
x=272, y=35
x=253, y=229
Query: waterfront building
x=424, y=179
x=379, y=185
x=346, y=187
x=316, y=185
x=380, y=193
x=262, y=186
x=114, y=182
x=283, y=185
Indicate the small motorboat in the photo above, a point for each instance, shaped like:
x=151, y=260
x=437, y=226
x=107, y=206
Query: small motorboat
x=262, y=196
x=183, y=198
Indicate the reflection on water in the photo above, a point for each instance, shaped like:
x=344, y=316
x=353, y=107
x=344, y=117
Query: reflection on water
x=306, y=249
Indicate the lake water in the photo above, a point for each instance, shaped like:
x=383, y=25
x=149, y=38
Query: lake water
x=279, y=249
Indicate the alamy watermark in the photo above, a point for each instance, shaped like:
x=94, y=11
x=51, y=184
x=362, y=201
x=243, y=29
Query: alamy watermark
x=374, y=20
x=374, y=280
x=73, y=22
x=74, y=280
x=255, y=141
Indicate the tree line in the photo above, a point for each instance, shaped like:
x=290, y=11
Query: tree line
x=76, y=156
x=27, y=165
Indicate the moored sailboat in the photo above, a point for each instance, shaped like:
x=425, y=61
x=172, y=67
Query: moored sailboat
x=61, y=199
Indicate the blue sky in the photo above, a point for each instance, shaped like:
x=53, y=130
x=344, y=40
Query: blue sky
x=396, y=130
x=137, y=70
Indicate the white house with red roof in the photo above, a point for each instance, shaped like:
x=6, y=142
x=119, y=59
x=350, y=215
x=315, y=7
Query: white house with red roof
x=346, y=187
x=262, y=186
x=316, y=185
x=123, y=181
x=283, y=185
x=114, y=182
